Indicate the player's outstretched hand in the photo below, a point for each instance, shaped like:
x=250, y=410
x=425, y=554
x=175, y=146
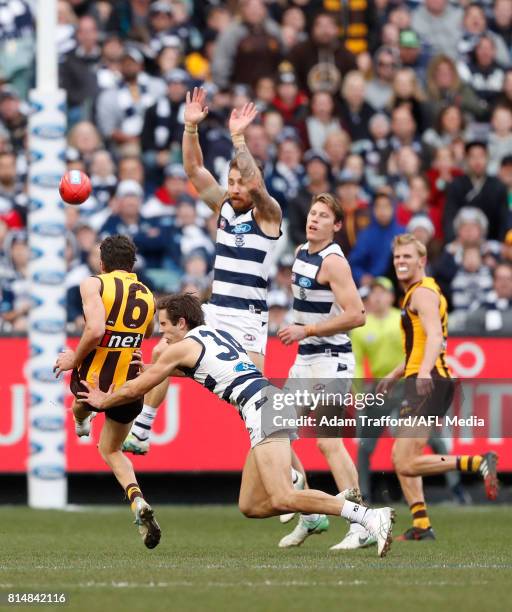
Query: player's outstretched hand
x=292, y=333
x=195, y=106
x=240, y=119
x=65, y=361
x=94, y=396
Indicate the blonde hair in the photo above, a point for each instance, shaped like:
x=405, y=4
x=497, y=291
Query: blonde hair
x=405, y=239
x=432, y=88
x=333, y=204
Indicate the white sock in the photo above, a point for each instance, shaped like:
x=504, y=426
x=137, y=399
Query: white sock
x=295, y=475
x=310, y=517
x=143, y=423
x=355, y=513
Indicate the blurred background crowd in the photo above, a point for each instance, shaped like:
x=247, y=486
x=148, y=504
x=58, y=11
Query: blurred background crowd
x=402, y=108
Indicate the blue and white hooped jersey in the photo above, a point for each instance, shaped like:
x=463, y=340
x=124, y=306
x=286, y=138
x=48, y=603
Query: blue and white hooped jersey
x=314, y=302
x=242, y=263
x=224, y=367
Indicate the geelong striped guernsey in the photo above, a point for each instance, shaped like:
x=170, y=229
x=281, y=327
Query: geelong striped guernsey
x=242, y=263
x=314, y=302
x=224, y=367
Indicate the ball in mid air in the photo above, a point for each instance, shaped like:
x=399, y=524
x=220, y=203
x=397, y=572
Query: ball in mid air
x=75, y=187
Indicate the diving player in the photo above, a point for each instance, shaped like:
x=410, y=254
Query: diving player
x=214, y=359
x=249, y=225
x=429, y=387
x=119, y=313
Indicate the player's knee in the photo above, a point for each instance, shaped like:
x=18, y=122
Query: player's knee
x=106, y=451
x=402, y=463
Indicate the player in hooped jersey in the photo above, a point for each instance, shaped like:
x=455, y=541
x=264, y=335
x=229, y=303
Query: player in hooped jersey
x=214, y=359
x=249, y=225
x=119, y=312
x=326, y=306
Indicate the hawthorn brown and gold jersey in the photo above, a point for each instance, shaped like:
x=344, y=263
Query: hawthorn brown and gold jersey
x=413, y=334
x=129, y=309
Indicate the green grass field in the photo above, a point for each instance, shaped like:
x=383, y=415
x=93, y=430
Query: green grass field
x=212, y=558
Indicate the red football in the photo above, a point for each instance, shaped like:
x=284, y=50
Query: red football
x=75, y=187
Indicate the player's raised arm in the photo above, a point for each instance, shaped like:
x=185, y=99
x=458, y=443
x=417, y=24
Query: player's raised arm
x=94, y=313
x=266, y=208
x=207, y=187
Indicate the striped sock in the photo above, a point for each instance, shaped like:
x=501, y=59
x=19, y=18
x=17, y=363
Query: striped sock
x=419, y=515
x=132, y=492
x=143, y=423
x=469, y=463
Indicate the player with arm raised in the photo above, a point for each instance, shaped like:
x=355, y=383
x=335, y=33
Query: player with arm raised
x=326, y=306
x=249, y=226
x=429, y=386
x=214, y=359
x=119, y=312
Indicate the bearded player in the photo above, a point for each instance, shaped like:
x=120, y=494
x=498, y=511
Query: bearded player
x=119, y=312
x=249, y=224
x=429, y=387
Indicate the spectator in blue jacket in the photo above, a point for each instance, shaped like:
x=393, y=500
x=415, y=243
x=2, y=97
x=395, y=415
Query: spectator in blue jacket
x=371, y=255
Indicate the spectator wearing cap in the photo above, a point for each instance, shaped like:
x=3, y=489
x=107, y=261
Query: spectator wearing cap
x=471, y=229
x=317, y=180
x=191, y=236
x=371, y=255
x=495, y=311
x=279, y=310
x=412, y=53
x=474, y=25
x=356, y=214
x=163, y=125
x=287, y=174
x=282, y=280
x=322, y=61
x=483, y=73
x=165, y=198
x=322, y=121
x=422, y=228
x=77, y=71
x=152, y=236
x=355, y=112
x=120, y=110
x=289, y=101
x=248, y=48
x=437, y=22
x=378, y=89
x=477, y=189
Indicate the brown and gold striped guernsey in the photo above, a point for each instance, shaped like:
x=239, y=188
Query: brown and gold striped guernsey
x=413, y=334
x=129, y=309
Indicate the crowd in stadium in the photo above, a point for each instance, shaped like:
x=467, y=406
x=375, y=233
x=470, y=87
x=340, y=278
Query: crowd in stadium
x=402, y=109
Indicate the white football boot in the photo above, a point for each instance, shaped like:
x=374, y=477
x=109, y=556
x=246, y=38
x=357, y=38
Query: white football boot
x=83, y=427
x=380, y=524
x=356, y=537
x=149, y=529
x=303, y=530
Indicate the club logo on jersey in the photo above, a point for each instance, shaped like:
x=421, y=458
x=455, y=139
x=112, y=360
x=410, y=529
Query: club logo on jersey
x=305, y=282
x=239, y=241
x=243, y=366
x=242, y=228
x=114, y=339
